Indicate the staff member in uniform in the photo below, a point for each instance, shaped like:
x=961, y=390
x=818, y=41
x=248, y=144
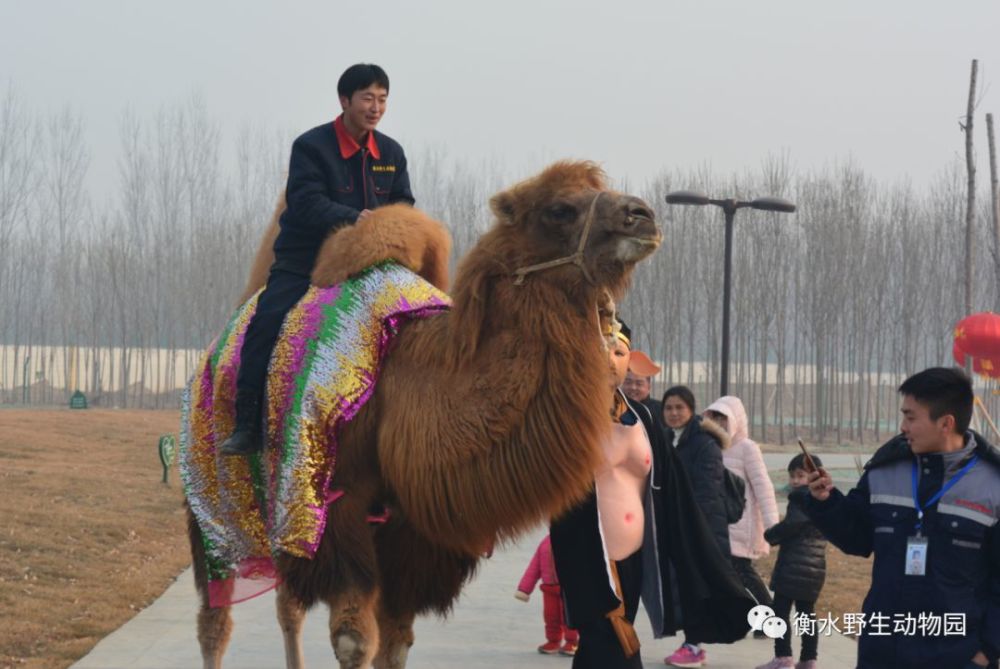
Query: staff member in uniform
x=927, y=506
x=338, y=173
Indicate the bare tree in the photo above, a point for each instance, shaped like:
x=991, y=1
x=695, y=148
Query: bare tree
x=970, y=164
x=66, y=207
x=19, y=139
x=994, y=201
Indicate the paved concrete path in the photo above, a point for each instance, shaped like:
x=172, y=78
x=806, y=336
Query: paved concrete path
x=489, y=629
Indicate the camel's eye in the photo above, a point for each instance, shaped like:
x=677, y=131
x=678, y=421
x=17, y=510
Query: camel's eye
x=561, y=211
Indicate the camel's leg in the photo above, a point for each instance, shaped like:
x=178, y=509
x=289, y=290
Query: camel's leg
x=395, y=639
x=214, y=628
x=291, y=613
x=353, y=628
x=416, y=577
x=343, y=573
x=214, y=625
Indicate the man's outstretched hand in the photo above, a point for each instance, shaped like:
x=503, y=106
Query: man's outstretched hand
x=820, y=484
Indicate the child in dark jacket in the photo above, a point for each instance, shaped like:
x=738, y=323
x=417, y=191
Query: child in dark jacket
x=543, y=568
x=799, y=571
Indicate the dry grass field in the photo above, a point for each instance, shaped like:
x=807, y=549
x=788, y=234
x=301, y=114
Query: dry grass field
x=88, y=533
x=89, y=536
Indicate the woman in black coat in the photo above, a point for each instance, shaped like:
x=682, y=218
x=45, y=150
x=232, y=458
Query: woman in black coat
x=698, y=443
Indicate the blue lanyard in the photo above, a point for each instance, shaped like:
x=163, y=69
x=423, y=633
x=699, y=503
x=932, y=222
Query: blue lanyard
x=945, y=488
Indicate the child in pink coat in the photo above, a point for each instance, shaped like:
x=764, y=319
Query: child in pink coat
x=542, y=567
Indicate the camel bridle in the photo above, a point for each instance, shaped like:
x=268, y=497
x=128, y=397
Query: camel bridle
x=574, y=259
x=577, y=259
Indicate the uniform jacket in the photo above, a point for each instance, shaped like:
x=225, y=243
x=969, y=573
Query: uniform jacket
x=963, y=552
x=330, y=180
x=801, y=566
x=743, y=458
x=706, y=598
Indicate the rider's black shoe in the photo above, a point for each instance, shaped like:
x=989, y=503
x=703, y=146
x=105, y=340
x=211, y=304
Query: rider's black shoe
x=246, y=438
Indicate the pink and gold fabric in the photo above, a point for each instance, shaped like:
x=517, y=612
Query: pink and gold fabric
x=323, y=370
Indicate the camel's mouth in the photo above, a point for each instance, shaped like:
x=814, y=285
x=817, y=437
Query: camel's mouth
x=640, y=225
x=635, y=245
x=653, y=239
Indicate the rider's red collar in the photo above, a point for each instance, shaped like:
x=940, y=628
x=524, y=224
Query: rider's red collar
x=348, y=145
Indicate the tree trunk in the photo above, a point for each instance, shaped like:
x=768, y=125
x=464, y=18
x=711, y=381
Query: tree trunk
x=995, y=203
x=970, y=206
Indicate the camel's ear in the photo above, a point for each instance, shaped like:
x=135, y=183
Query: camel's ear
x=502, y=205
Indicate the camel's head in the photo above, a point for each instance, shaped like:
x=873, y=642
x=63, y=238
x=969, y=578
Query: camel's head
x=565, y=206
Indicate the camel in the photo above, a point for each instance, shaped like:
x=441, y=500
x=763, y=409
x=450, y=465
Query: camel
x=486, y=419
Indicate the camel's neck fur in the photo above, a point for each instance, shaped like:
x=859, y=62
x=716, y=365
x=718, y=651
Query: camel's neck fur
x=509, y=393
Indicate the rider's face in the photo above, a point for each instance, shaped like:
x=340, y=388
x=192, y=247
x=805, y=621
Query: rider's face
x=364, y=109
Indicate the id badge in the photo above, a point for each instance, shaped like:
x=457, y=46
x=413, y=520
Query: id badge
x=916, y=556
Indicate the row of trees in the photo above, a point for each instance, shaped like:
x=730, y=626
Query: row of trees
x=832, y=306
x=157, y=266
x=845, y=298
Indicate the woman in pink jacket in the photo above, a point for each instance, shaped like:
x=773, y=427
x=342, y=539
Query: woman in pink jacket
x=543, y=568
x=743, y=458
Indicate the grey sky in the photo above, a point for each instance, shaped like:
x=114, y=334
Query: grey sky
x=638, y=86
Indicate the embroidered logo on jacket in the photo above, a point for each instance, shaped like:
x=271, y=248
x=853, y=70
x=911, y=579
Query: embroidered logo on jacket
x=383, y=168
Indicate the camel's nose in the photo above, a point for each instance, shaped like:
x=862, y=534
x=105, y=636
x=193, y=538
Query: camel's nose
x=637, y=210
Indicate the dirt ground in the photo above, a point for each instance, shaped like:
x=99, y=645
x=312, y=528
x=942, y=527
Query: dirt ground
x=89, y=535
x=847, y=581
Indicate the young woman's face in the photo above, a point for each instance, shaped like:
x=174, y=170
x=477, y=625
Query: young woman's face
x=718, y=418
x=676, y=414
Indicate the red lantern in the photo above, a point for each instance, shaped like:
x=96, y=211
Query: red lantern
x=958, y=354
x=987, y=367
x=978, y=337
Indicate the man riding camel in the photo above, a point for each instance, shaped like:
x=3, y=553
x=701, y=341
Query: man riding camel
x=338, y=173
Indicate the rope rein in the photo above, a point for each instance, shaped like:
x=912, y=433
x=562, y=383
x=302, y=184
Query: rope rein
x=575, y=259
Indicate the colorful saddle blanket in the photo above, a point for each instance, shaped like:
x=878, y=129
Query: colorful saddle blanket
x=323, y=370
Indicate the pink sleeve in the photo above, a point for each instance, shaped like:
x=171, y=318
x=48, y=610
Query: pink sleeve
x=763, y=489
x=532, y=573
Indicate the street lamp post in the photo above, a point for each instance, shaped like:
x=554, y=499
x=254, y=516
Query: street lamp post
x=729, y=207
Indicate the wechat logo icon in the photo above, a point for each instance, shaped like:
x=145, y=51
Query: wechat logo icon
x=761, y=618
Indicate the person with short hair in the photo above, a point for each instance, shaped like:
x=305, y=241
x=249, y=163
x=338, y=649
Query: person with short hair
x=799, y=572
x=927, y=506
x=338, y=172
x=637, y=387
